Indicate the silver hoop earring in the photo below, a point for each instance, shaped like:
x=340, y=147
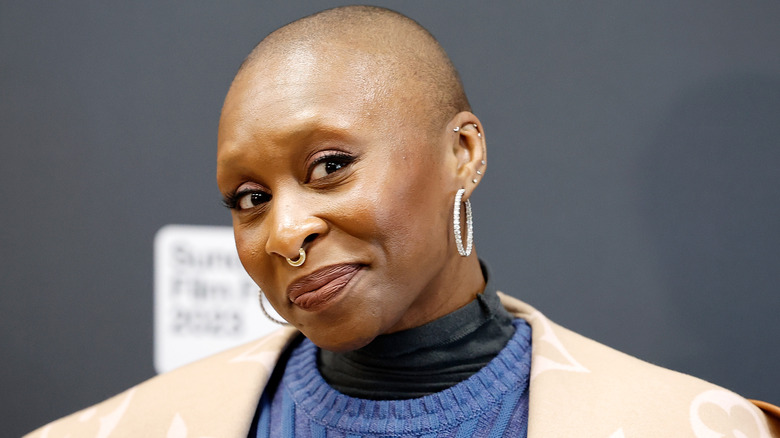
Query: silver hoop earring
x=469, y=225
x=265, y=312
x=299, y=261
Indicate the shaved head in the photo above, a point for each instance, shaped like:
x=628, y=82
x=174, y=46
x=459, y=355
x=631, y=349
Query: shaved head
x=347, y=134
x=404, y=56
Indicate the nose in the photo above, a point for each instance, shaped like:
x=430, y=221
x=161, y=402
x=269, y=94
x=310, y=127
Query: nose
x=293, y=226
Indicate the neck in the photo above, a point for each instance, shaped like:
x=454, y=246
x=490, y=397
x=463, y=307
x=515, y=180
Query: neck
x=426, y=359
x=457, y=284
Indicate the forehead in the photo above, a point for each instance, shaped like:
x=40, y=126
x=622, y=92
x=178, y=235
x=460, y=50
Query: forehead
x=305, y=88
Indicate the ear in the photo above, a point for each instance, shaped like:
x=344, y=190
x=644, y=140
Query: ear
x=469, y=150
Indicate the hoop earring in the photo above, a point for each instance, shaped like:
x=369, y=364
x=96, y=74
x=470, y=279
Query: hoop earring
x=299, y=261
x=469, y=225
x=265, y=312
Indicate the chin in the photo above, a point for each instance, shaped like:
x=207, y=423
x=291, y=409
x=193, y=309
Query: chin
x=340, y=344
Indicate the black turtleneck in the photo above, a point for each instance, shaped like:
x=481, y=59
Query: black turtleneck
x=426, y=359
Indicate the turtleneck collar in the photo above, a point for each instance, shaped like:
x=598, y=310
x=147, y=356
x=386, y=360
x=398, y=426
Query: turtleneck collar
x=426, y=359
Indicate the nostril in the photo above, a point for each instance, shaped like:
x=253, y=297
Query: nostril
x=310, y=238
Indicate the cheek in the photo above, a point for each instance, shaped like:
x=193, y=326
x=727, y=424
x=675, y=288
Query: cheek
x=418, y=204
x=405, y=215
x=252, y=255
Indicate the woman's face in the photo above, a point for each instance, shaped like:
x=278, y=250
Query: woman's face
x=318, y=155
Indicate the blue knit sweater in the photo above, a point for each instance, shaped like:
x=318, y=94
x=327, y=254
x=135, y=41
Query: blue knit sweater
x=491, y=403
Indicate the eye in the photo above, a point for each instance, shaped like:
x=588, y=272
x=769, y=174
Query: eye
x=252, y=199
x=246, y=199
x=329, y=164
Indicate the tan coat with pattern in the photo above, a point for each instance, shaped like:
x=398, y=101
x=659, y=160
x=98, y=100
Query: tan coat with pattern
x=578, y=388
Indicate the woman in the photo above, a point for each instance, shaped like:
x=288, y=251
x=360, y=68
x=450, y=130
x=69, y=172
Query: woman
x=347, y=155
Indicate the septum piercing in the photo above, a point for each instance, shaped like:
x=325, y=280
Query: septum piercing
x=299, y=261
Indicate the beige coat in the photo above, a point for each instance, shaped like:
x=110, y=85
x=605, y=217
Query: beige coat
x=579, y=388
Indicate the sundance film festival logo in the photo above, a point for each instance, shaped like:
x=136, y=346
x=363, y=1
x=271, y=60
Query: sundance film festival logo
x=204, y=302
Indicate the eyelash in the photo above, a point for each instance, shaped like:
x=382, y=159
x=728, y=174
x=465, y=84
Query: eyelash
x=231, y=200
x=340, y=157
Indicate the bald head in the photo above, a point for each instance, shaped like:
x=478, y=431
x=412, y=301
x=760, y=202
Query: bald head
x=404, y=56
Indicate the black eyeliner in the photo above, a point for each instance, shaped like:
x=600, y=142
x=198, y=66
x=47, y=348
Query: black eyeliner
x=346, y=159
x=230, y=200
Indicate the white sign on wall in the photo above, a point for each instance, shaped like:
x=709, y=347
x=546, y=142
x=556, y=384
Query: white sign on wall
x=204, y=301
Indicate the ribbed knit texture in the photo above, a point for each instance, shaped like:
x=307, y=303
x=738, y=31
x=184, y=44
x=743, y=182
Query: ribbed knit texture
x=491, y=403
x=423, y=360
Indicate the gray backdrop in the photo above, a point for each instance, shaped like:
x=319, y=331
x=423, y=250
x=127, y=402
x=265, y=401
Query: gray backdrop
x=633, y=192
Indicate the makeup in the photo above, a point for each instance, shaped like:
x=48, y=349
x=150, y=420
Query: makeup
x=321, y=286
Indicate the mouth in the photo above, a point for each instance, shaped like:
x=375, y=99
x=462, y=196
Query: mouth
x=321, y=286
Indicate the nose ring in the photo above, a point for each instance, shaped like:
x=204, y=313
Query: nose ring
x=299, y=261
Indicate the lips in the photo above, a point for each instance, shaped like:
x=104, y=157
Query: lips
x=321, y=286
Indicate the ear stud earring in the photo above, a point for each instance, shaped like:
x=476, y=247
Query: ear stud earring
x=457, y=129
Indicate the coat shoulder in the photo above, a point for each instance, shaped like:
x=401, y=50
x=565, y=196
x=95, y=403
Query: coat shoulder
x=580, y=384
x=225, y=386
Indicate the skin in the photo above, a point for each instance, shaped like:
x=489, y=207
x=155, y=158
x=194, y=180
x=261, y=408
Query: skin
x=389, y=210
